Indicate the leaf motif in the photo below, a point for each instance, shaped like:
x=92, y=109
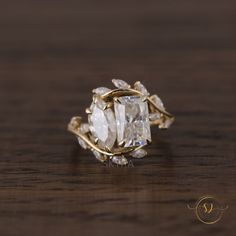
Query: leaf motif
x=140, y=153
x=155, y=116
x=121, y=84
x=157, y=101
x=141, y=88
x=99, y=102
x=101, y=91
x=84, y=128
x=99, y=156
x=82, y=143
x=120, y=160
x=167, y=123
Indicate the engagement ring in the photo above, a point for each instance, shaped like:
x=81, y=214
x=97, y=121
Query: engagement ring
x=119, y=122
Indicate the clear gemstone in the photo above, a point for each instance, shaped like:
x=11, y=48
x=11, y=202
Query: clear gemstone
x=119, y=160
x=167, y=123
x=140, y=153
x=155, y=116
x=91, y=107
x=101, y=90
x=75, y=122
x=99, y=156
x=140, y=87
x=82, y=143
x=103, y=126
x=99, y=102
x=84, y=128
x=132, y=120
x=157, y=101
x=121, y=84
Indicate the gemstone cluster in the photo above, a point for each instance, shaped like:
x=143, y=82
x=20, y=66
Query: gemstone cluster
x=119, y=122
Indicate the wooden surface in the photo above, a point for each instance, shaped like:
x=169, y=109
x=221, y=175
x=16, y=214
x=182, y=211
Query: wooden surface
x=53, y=53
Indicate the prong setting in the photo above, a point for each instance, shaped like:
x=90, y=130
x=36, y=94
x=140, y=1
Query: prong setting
x=113, y=119
x=88, y=111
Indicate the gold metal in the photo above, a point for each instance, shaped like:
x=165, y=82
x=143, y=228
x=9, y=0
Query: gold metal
x=93, y=146
x=88, y=111
x=127, y=92
x=109, y=98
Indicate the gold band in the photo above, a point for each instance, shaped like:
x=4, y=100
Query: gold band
x=160, y=118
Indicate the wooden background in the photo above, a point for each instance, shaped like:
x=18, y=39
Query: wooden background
x=53, y=53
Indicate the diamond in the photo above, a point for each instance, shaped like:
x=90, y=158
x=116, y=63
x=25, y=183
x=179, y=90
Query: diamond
x=140, y=153
x=84, y=128
x=121, y=84
x=103, y=126
x=141, y=88
x=132, y=121
x=99, y=156
x=99, y=102
x=101, y=90
x=166, y=123
x=157, y=101
x=82, y=143
x=119, y=160
x=75, y=122
x=155, y=116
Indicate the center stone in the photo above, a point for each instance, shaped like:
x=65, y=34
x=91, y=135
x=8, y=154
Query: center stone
x=132, y=121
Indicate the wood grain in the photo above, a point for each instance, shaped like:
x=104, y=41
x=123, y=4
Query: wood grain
x=52, y=54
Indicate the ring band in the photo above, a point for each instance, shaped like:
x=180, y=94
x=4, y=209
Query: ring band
x=119, y=122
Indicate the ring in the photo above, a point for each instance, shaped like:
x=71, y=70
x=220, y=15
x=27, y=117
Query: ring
x=119, y=122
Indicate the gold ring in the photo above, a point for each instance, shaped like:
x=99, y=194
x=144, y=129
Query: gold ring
x=119, y=122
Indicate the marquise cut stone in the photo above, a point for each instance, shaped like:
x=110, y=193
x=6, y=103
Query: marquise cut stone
x=132, y=121
x=121, y=84
x=140, y=87
x=119, y=160
x=82, y=143
x=103, y=126
x=157, y=101
x=140, y=153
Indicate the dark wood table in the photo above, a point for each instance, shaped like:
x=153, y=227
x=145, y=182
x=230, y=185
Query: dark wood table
x=53, y=53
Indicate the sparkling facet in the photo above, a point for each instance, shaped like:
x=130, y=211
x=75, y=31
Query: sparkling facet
x=167, y=123
x=84, y=128
x=101, y=90
x=99, y=102
x=103, y=126
x=99, y=156
x=75, y=122
x=157, y=101
x=121, y=84
x=155, y=116
x=132, y=120
x=140, y=87
x=140, y=153
x=119, y=160
x=82, y=143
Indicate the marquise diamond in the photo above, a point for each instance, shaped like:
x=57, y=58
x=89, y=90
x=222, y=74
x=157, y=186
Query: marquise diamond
x=103, y=126
x=119, y=122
